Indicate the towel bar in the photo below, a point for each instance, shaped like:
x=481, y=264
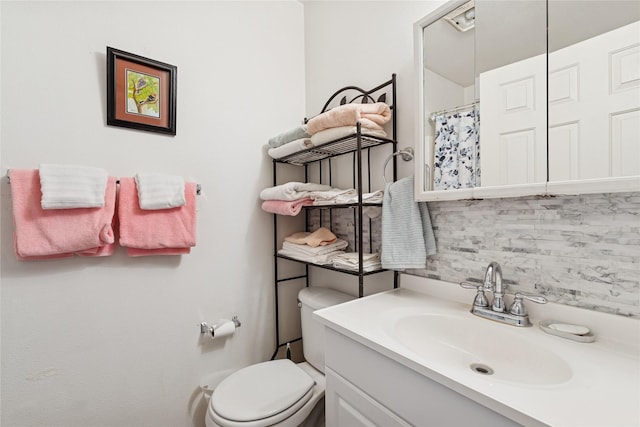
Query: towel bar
x=407, y=155
x=198, y=187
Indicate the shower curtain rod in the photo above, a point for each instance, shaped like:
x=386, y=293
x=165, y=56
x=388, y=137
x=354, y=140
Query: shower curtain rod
x=452, y=110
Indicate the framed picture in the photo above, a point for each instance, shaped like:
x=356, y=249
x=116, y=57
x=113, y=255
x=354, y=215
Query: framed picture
x=141, y=92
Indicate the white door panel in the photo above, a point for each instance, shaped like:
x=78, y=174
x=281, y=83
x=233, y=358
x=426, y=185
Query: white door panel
x=594, y=85
x=513, y=123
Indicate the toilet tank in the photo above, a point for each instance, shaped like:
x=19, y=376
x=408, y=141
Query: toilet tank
x=312, y=299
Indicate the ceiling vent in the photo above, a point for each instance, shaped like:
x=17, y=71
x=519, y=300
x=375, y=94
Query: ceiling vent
x=463, y=18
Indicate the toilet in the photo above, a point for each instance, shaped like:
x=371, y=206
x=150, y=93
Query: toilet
x=279, y=392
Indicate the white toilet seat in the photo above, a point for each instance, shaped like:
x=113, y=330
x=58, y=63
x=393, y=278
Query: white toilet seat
x=261, y=395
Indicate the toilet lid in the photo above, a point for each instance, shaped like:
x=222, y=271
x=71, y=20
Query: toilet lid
x=261, y=391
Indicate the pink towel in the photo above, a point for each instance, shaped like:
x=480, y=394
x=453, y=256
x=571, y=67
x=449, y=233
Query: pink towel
x=285, y=207
x=164, y=251
x=372, y=116
x=173, y=228
x=58, y=233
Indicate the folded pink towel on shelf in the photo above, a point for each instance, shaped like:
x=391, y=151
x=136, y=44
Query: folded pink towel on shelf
x=58, y=233
x=321, y=237
x=372, y=116
x=173, y=228
x=286, y=207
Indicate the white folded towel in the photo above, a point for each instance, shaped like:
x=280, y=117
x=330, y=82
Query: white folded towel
x=351, y=261
x=323, y=259
x=292, y=191
x=305, y=249
x=375, y=197
x=70, y=187
x=290, y=148
x=332, y=196
x=337, y=197
x=158, y=191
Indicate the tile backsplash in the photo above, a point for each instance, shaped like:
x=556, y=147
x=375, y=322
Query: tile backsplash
x=577, y=250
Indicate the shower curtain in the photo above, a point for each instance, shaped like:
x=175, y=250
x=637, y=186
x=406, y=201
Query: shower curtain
x=457, y=150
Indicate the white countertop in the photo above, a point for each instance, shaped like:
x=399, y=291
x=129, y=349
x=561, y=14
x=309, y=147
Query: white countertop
x=603, y=391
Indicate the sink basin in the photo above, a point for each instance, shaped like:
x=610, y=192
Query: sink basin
x=481, y=347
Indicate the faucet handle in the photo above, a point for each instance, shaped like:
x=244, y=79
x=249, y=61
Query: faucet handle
x=469, y=285
x=481, y=299
x=518, y=309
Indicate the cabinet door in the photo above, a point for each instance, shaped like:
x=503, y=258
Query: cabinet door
x=348, y=406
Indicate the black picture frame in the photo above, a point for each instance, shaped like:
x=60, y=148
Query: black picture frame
x=141, y=92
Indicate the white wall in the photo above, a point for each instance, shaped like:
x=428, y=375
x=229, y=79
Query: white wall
x=115, y=341
x=363, y=43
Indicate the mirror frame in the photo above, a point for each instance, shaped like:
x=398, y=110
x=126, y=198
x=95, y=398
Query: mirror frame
x=423, y=153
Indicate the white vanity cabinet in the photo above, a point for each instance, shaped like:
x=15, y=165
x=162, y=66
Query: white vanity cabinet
x=367, y=388
x=405, y=357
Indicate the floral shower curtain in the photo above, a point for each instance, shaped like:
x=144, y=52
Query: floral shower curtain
x=457, y=150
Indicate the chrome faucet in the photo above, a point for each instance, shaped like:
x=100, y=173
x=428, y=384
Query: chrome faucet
x=493, y=282
x=516, y=315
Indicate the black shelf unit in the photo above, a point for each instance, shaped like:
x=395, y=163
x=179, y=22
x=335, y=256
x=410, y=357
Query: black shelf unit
x=359, y=146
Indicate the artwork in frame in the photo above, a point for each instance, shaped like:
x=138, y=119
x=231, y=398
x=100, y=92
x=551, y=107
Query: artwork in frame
x=141, y=92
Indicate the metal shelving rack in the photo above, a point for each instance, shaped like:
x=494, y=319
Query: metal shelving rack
x=359, y=145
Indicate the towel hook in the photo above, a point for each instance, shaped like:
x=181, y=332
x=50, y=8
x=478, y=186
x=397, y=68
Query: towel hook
x=407, y=155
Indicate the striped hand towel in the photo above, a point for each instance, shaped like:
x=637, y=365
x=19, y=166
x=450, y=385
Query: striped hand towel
x=71, y=187
x=157, y=191
x=407, y=235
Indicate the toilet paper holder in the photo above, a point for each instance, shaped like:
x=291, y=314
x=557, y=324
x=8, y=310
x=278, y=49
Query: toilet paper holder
x=211, y=330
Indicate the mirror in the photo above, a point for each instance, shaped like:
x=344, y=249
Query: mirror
x=512, y=76
x=502, y=114
x=449, y=101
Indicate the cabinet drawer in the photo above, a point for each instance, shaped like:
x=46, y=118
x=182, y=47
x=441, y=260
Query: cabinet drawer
x=348, y=406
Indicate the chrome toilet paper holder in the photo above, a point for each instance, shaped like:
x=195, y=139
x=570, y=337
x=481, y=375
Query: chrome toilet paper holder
x=209, y=330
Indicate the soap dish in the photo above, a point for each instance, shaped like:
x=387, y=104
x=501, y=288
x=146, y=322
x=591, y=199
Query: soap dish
x=566, y=330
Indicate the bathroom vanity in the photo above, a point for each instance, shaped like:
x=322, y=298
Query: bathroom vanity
x=417, y=356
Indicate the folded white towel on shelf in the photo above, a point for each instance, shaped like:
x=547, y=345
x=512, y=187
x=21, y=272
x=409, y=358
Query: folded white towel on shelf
x=305, y=249
x=332, y=134
x=290, y=148
x=332, y=196
x=70, y=187
x=292, y=191
x=351, y=261
x=336, y=196
x=158, y=191
x=321, y=259
x=375, y=197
